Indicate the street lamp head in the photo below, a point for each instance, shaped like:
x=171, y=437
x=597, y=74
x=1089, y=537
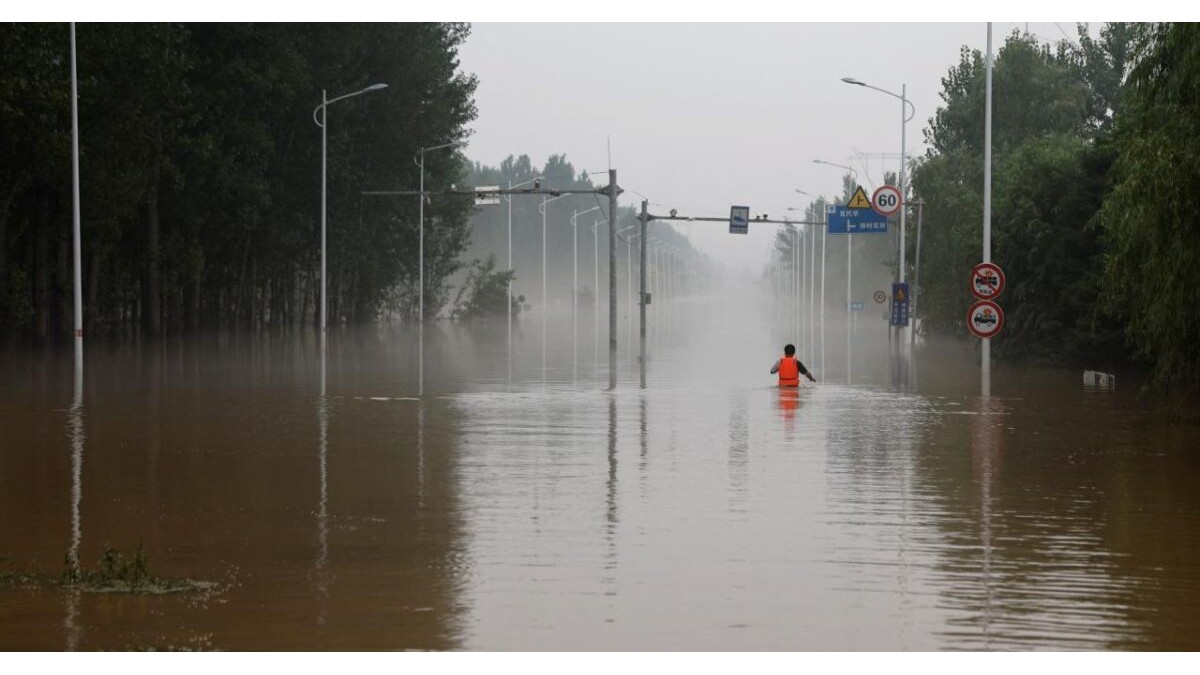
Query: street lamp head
x=376, y=87
x=851, y=80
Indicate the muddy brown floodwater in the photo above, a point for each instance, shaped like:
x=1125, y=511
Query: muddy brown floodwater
x=709, y=511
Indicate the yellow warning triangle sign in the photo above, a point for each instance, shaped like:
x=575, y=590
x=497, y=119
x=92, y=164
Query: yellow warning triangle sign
x=859, y=200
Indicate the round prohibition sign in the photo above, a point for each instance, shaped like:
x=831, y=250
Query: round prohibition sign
x=987, y=280
x=985, y=319
x=880, y=297
x=886, y=200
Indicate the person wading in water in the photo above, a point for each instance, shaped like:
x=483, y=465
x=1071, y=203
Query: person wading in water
x=790, y=369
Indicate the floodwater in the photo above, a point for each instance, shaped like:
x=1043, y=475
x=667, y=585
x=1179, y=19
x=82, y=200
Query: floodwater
x=540, y=511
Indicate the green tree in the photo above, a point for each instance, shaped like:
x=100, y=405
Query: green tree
x=1149, y=219
x=1049, y=168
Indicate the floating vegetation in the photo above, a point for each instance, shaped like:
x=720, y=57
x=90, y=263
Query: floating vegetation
x=115, y=574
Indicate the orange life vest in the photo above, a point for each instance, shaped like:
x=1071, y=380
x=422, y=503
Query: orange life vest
x=789, y=372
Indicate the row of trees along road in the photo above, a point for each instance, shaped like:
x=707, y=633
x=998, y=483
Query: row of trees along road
x=1096, y=189
x=489, y=234
x=200, y=165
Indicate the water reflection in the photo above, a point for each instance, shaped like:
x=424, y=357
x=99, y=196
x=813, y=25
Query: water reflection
x=900, y=513
x=322, y=563
x=75, y=432
x=986, y=447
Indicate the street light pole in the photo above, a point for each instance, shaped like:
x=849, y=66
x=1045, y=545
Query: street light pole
x=613, y=192
x=508, y=300
x=905, y=106
x=575, y=281
x=824, y=234
x=421, y=264
x=644, y=219
x=849, y=265
x=596, y=291
x=916, y=273
x=75, y=236
x=324, y=108
x=986, y=347
x=812, y=285
x=629, y=281
x=545, y=309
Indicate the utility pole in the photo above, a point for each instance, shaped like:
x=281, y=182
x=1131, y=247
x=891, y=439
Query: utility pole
x=812, y=288
x=912, y=293
x=613, y=191
x=596, y=293
x=986, y=351
x=75, y=242
x=824, y=233
x=644, y=219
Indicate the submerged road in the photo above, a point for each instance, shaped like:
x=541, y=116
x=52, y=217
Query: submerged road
x=709, y=511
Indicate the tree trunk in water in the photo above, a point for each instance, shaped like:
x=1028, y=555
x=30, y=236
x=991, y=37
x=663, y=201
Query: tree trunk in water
x=41, y=266
x=153, y=258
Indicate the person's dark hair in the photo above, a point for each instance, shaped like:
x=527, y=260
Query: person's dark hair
x=789, y=350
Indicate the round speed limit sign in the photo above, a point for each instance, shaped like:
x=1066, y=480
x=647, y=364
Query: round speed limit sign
x=886, y=200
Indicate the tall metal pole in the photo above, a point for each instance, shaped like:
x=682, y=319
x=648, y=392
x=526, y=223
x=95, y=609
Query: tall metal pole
x=644, y=218
x=574, y=292
x=912, y=293
x=76, y=409
x=903, y=192
x=612, y=278
x=324, y=108
x=508, y=298
x=795, y=281
x=849, y=312
x=903, y=158
x=812, y=289
x=824, y=234
x=596, y=293
x=802, y=291
x=75, y=240
x=324, y=124
x=986, y=352
x=629, y=288
x=544, y=308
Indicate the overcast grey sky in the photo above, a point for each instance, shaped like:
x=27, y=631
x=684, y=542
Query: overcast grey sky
x=702, y=116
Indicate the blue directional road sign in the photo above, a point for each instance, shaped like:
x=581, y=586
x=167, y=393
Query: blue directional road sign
x=857, y=306
x=899, y=305
x=845, y=220
x=739, y=219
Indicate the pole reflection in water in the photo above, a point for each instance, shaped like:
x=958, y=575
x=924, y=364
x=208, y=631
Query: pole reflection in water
x=879, y=516
x=739, y=449
x=610, y=529
x=986, y=450
x=76, y=433
x=643, y=443
x=323, y=502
